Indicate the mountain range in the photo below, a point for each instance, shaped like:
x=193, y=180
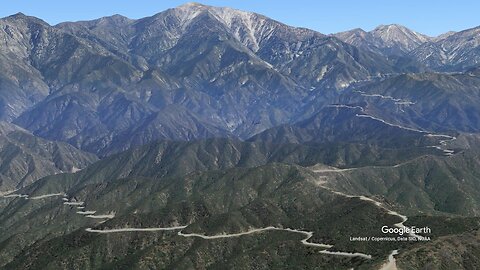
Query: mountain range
x=210, y=138
x=449, y=52
x=194, y=72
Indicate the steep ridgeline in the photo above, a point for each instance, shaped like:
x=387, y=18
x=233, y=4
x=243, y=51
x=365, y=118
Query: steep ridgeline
x=21, y=84
x=186, y=73
x=26, y=158
x=295, y=52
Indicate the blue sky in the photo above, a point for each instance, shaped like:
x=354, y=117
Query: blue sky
x=426, y=16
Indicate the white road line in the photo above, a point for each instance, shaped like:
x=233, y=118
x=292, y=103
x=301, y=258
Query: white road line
x=219, y=236
x=346, y=254
x=135, y=229
x=380, y=205
x=270, y=228
x=389, y=124
x=304, y=241
x=443, y=143
x=86, y=212
x=397, y=101
x=91, y=214
x=344, y=106
x=74, y=203
x=25, y=196
x=108, y=216
x=337, y=170
x=448, y=138
x=334, y=170
x=46, y=196
x=391, y=264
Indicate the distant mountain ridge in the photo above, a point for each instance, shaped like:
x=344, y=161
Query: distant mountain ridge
x=389, y=39
x=451, y=51
x=227, y=72
x=196, y=72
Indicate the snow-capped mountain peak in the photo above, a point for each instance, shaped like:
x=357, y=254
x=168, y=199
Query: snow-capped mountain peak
x=246, y=26
x=394, y=35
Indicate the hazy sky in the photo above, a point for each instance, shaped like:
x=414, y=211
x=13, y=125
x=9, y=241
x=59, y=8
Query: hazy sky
x=425, y=16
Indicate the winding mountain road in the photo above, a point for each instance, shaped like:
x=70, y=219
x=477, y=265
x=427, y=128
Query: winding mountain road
x=91, y=214
x=47, y=196
x=304, y=241
x=363, y=114
x=27, y=197
x=135, y=229
x=391, y=264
